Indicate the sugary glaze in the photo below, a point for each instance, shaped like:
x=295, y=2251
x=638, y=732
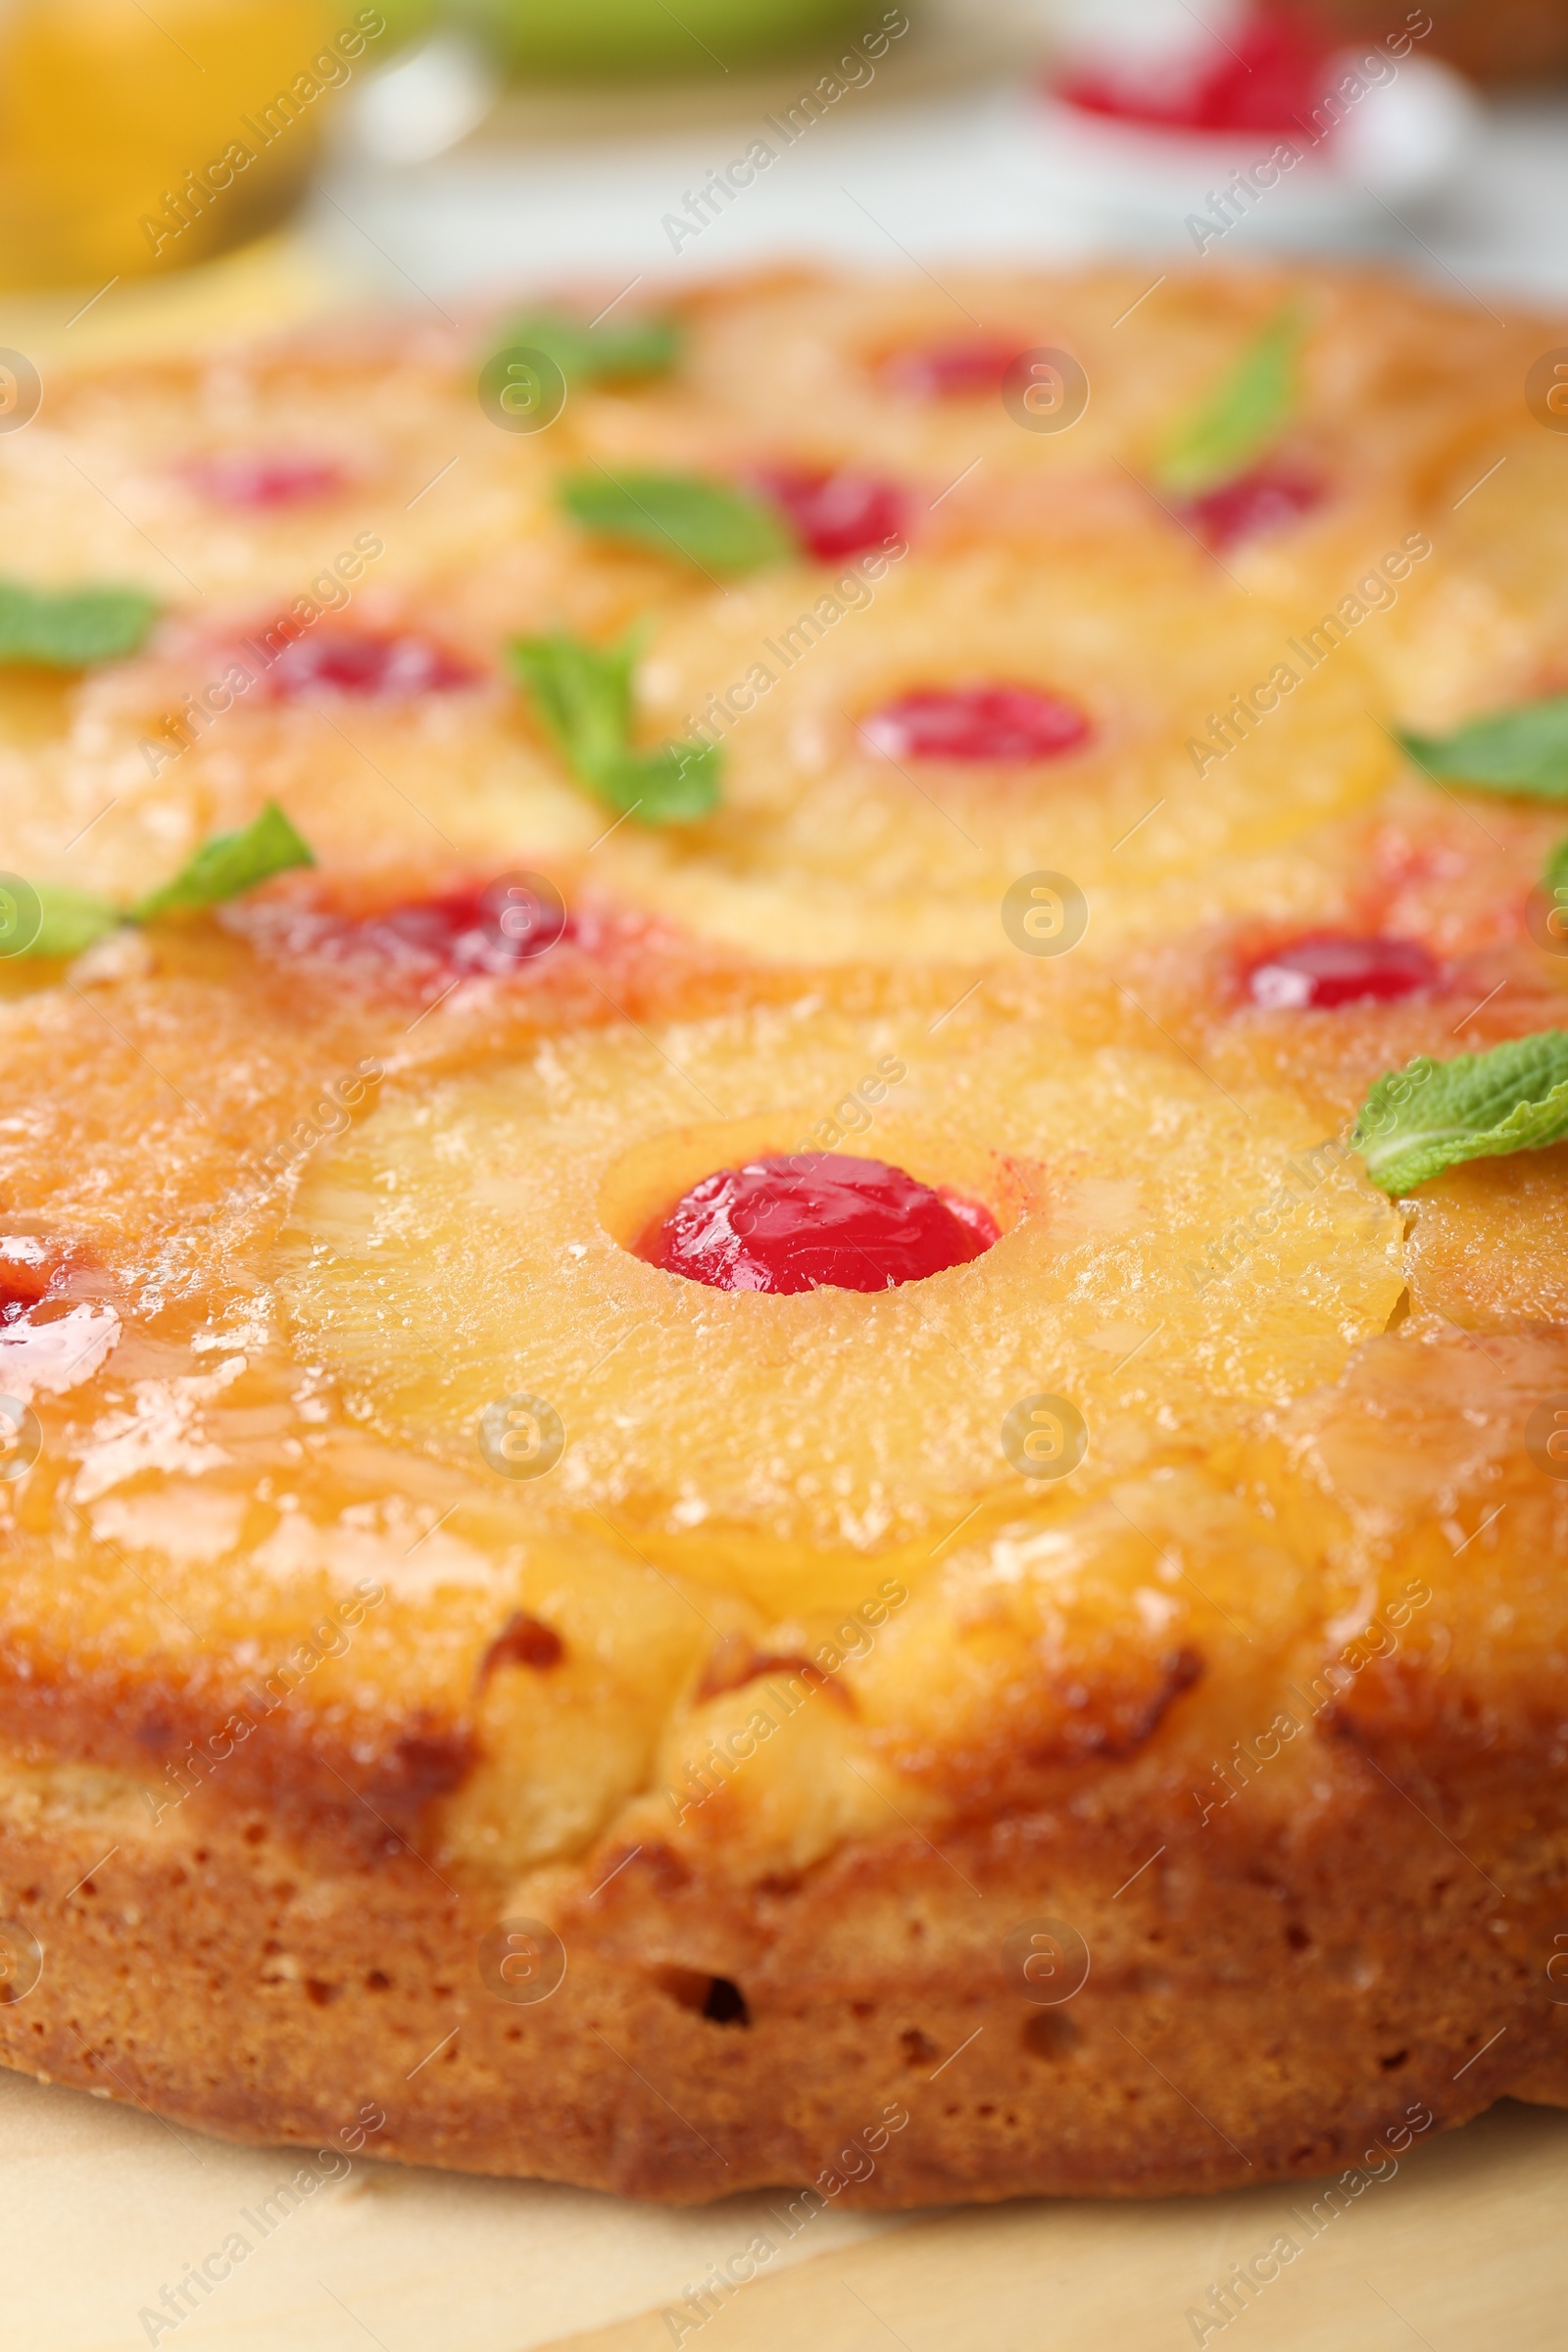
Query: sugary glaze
x=327, y=1216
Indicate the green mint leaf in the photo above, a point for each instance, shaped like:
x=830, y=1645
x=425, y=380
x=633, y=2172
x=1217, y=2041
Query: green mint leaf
x=681, y=515
x=69, y=921
x=1554, y=874
x=71, y=629
x=228, y=865
x=1432, y=1114
x=50, y=918
x=1523, y=751
x=628, y=354
x=675, y=785
x=1243, y=419
x=582, y=695
x=74, y=920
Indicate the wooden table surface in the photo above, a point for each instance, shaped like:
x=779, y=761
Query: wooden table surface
x=1466, y=2250
x=102, y=2207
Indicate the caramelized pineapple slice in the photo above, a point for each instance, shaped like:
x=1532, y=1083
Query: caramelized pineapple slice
x=1488, y=629
x=826, y=848
x=472, y=1241
x=1208, y=754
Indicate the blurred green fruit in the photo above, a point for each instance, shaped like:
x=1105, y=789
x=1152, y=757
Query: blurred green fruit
x=615, y=40
x=406, y=20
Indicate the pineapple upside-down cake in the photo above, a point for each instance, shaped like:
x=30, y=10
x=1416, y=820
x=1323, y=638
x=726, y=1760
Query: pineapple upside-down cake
x=783, y=1260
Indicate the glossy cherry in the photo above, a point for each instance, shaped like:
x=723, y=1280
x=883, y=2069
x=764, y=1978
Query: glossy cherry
x=1265, y=76
x=1267, y=498
x=335, y=662
x=834, y=514
x=975, y=722
x=259, y=480
x=811, y=1220
x=462, y=932
x=1328, y=968
x=950, y=371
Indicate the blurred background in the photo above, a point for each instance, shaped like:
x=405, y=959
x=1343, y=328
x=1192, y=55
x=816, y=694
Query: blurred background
x=179, y=164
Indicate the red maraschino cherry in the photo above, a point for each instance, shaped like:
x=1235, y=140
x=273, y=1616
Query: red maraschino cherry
x=806, y=1221
x=458, y=934
x=1267, y=498
x=834, y=514
x=338, y=663
x=259, y=480
x=467, y=931
x=1002, y=723
x=966, y=370
x=1265, y=76
x=1328, y=968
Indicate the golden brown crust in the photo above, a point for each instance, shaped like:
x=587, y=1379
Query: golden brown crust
x=1353, y=1971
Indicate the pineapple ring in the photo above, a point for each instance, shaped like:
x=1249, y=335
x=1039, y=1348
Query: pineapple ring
x=820, y=849
x=468, y=1243
x=826, y=850
x=1048, y=561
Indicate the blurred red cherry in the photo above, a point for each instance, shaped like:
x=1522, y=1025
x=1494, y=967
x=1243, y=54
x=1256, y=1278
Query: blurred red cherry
x=383, y=669
x=975, y=722
x=1267, y=498
x=1265, y=76
x=834, y=514
x=950, y=371
x=1328, y=968
x=257, y=479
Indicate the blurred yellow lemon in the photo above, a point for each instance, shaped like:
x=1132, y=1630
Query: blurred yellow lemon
x=131, y=145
